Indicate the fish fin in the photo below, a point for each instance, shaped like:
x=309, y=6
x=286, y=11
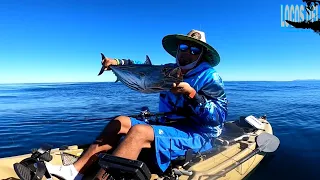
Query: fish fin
x=148, y=61
x=103, y=67
x=101, y=70
x=102, y=56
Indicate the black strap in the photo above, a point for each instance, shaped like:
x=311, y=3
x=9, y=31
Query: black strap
x=41, y=170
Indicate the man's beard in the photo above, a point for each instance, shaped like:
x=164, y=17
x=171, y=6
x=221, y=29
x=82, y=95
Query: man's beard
x=183, y=60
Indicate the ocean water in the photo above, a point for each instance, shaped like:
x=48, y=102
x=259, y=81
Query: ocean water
x=33, y=114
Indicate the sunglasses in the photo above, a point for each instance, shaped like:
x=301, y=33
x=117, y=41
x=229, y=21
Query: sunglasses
x=193, y=50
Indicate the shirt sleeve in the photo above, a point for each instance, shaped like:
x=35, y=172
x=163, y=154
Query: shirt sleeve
x=209, y=105
x=129, y=61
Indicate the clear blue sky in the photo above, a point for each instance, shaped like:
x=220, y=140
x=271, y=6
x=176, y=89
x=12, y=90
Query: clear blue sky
x=61, y=41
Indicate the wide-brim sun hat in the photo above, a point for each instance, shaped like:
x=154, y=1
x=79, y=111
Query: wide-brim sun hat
x=170, y=44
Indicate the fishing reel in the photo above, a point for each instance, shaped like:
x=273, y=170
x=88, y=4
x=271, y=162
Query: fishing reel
x=145, y=114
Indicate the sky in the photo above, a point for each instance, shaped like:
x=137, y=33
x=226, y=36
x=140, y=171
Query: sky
x=61, y=41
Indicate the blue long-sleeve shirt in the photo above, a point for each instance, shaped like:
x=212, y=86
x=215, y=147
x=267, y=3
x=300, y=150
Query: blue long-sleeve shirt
x=208, y=109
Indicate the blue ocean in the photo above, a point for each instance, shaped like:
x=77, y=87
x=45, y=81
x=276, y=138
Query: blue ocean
x=60, y=113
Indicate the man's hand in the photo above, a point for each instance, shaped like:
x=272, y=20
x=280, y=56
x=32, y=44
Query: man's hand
x=183, y=88
x=106, y=62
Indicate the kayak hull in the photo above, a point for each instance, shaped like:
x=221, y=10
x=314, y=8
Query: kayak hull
x=205, y=167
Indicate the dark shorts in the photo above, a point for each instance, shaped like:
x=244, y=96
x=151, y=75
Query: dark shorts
x=178, y=138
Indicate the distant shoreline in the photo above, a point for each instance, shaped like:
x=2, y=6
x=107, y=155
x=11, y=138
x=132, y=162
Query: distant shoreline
x=307, y=80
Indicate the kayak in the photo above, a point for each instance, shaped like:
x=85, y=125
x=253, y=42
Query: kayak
x=238, y=151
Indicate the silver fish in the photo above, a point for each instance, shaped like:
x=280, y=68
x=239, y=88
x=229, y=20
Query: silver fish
x=146, y=78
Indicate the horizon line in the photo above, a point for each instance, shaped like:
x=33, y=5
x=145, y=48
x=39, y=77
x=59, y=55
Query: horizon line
x=61, y=82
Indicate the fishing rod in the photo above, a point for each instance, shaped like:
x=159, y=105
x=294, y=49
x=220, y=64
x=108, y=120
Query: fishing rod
x=144, y=115
x=66, y=120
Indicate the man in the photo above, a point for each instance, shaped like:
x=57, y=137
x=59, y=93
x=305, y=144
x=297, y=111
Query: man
x=200, y=98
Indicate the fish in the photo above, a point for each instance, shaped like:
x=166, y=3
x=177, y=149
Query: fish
x=146, y=78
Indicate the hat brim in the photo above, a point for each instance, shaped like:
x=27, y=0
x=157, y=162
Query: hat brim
x=170, y=43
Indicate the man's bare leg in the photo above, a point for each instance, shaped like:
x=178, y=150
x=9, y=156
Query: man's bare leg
x=107, y=139
x=139, y=136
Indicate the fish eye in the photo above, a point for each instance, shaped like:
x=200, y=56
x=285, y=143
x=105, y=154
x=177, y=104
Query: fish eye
x=141, y=74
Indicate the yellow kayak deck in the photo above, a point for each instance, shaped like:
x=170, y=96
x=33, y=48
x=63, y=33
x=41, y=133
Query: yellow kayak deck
x=204, y=167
